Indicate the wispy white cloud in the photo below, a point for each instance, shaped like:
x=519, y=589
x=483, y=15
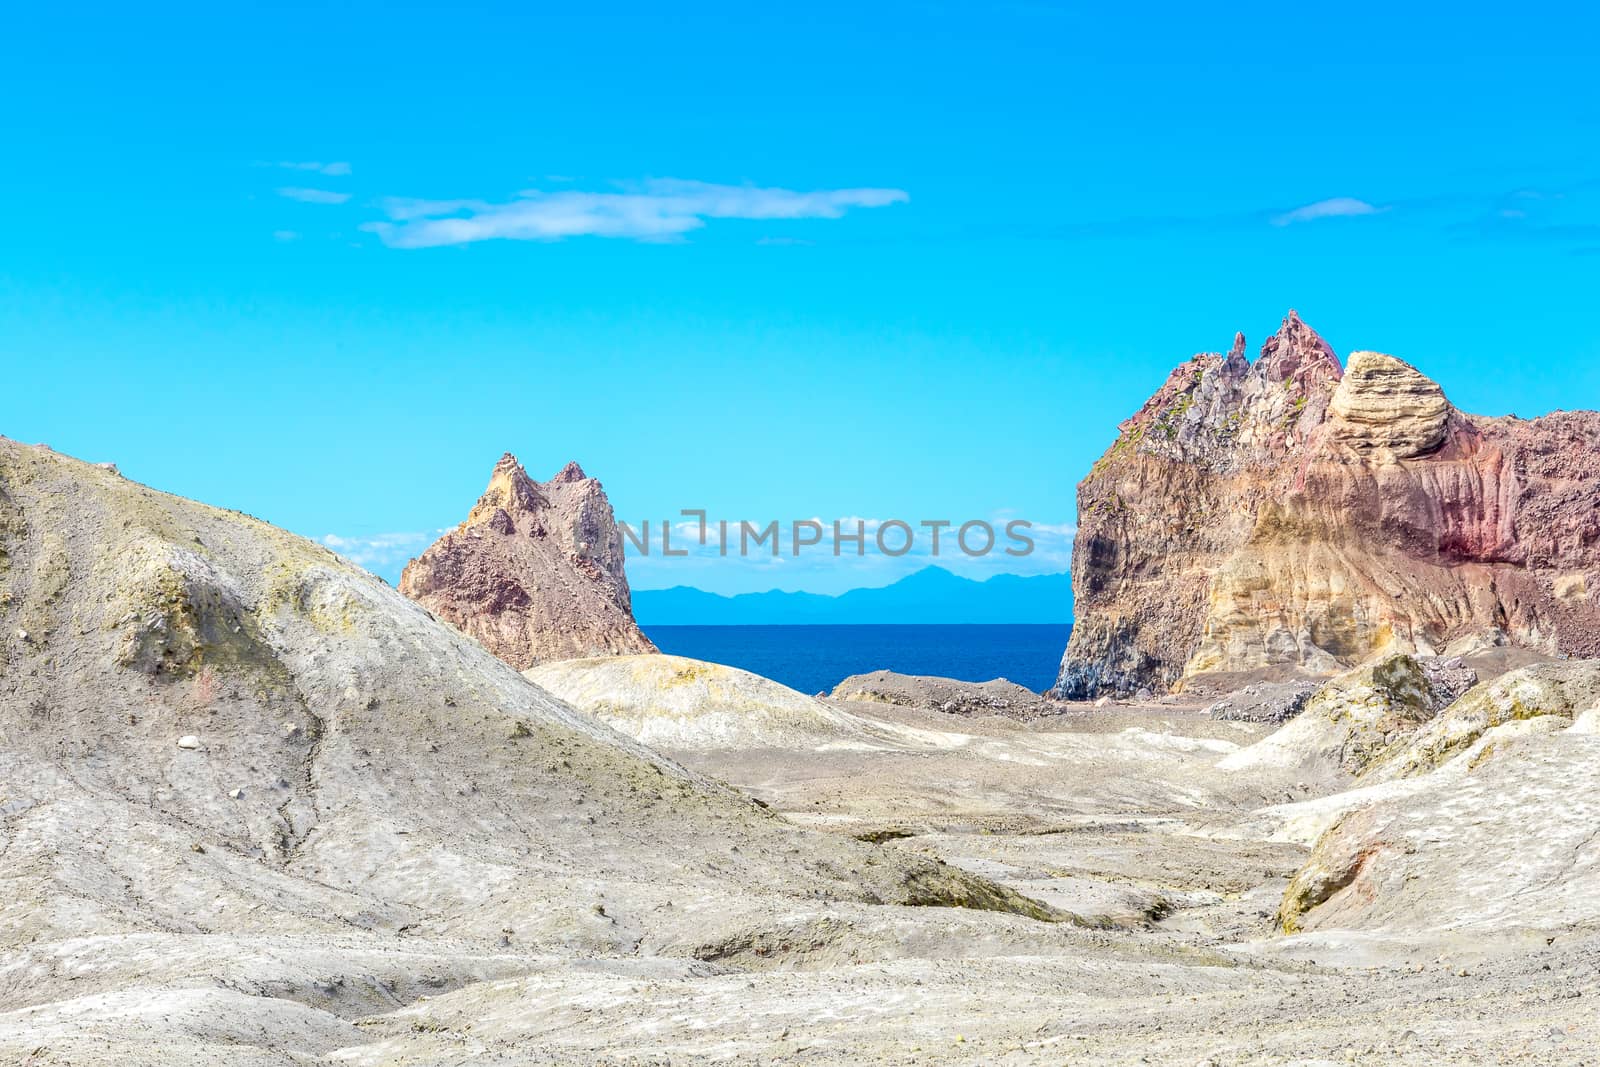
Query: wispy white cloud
x=405, y=208
x=332, y=170
x=313, y=196
x=1337, y=207
x=381, y=549
x=655, y=210
x=286, y=235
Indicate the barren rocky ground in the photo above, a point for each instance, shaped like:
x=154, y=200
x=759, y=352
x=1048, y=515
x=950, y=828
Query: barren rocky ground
x=1177, y=869
x=260, y=809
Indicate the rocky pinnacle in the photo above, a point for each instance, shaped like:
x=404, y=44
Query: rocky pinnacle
x=535, y=573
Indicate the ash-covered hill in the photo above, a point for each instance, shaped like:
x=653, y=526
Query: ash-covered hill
x=252, y=793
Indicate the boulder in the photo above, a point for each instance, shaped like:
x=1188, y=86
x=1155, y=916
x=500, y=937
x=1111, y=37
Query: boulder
x=1386, y=410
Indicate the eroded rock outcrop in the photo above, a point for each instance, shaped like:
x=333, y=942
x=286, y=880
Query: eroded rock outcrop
x=1486, y=819
x=1292, y=517
x=1557, y=691
x=1386, y=410
x=1346, y=723
x=535, y=573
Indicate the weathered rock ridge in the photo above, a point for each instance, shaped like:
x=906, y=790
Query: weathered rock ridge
x=1294, y=517
x=535, y=573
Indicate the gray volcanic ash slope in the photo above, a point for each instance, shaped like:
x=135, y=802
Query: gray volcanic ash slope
x=251, y=792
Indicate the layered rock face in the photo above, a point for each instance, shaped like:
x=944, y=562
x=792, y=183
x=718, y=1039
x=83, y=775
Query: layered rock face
x=535, y=573
x=1296, y=517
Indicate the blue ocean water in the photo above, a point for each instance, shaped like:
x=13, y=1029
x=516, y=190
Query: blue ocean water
x=813, y=659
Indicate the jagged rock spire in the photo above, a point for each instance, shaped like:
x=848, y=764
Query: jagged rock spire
x=570, y=473
x=1298, y=354
x=1237, y=364
x=509, y=490
x=536, y=571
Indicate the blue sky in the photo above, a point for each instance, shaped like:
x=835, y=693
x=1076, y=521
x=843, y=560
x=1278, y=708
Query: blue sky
x=896, y=260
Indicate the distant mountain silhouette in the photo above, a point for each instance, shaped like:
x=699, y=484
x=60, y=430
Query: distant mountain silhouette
x=931, y=595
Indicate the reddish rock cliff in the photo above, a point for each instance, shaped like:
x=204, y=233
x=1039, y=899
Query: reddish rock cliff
x=1293, y=516
x=535, y=573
